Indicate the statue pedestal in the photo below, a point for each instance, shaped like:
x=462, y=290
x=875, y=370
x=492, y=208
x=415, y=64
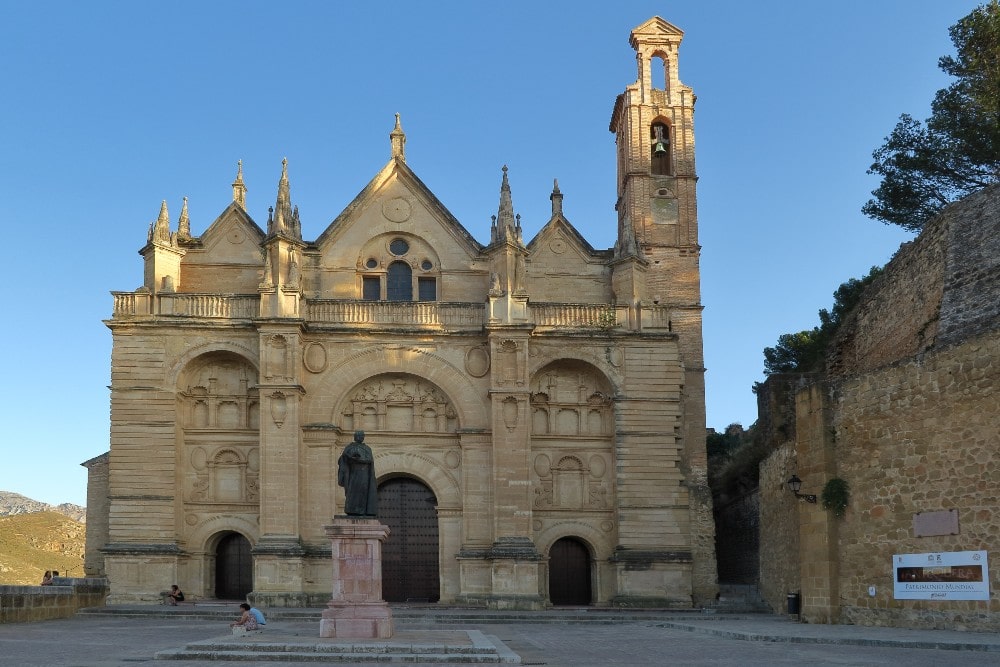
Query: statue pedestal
x=356, y=610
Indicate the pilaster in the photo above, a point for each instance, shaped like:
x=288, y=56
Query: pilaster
x=279, y=574
x=515, y=562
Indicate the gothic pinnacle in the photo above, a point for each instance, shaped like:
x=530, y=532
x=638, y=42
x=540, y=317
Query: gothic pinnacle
x=398, y=141
x=184, y=222
x=556, y=198
x=161, y=229
x=284, y=221
x=505, y=215
x=239, y=189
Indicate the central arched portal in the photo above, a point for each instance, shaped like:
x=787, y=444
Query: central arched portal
x=569, y=573
x=410, y=554
x=233, y=568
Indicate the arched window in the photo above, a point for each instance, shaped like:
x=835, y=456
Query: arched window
x=386, y=268
x=659, y=149
x=658, y=72
x=399, y=282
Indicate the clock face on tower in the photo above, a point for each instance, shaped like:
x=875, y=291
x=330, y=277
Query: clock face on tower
x=396, y=209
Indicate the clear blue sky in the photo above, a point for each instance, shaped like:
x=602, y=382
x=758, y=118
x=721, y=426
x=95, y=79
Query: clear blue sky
x=110, y=107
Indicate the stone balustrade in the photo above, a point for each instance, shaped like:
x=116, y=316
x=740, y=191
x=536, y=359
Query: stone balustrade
x=217, y=306
x=407, y=313
x=22, y=604
x=346, y=312
x=230, y=306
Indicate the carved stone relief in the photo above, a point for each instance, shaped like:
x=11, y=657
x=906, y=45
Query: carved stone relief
x=570, y=400
x=279, y=408
x=509, y=362
x=278, y=355
x=229, y=474
x=314, y=357
x=571, y=484
x=398, y=402
x=215, y=393
x=477, y=361
x=510, y=413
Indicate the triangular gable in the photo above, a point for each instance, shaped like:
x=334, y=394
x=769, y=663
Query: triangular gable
x=233, y=234
x=653, y=29
x=232, y=214
x=559, y=228
x=371, y=193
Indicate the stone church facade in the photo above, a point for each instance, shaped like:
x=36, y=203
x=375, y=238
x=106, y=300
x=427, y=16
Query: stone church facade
x=536, y=409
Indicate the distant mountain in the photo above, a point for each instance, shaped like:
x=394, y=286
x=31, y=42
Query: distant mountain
x=33, y=542
x=15, y=503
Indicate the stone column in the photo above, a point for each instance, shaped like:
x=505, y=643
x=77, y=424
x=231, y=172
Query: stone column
x=356, y=609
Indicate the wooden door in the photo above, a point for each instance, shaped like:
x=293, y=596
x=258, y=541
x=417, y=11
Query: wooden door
x=410, y=554
x=233, y=568
x=569, y=573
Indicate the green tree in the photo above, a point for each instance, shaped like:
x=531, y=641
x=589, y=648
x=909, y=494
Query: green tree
x=805, y=351
x=925, y=167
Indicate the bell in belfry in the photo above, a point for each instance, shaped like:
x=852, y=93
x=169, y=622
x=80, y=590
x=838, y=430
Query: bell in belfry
x=661, y=142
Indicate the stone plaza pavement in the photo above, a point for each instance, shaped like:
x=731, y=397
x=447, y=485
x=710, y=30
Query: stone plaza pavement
x=555, y=638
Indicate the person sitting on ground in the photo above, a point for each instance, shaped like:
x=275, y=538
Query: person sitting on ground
x=247, y=621
x=47, y=578
x=259, y=615
x=175, y=595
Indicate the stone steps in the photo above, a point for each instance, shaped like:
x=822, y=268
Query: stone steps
x=474, y=648
x=420, y=617
x=743, y=598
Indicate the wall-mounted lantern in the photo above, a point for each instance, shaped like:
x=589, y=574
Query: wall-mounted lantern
x=794, y=483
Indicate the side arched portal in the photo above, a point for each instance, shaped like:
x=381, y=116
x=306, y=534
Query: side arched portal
x=233, y=567
x=569, y=572
x=410, y=568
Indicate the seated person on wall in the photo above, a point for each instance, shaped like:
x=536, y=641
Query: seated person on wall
x=47, y=578
x=174, y=596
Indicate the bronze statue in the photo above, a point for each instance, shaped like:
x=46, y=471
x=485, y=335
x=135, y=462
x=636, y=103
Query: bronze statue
x=356, y=473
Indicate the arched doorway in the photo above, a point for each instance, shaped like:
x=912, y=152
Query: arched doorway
x=410, y=555
x=233, y=568
x=569, y=572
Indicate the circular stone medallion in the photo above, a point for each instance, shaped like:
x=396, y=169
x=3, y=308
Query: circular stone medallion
x=396, y=209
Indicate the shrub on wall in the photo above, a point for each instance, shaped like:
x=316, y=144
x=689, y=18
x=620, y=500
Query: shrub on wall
x=835, y=496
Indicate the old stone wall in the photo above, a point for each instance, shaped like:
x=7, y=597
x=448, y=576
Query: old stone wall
x=98, y=507
x=972, y=277
x=938, y=290
x=908, y=416
x=919, y=436
x=779, y=529
x=776, y=406
x=898, y=314
x=23, y=604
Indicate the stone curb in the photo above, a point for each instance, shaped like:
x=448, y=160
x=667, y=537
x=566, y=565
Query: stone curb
x=848, y=641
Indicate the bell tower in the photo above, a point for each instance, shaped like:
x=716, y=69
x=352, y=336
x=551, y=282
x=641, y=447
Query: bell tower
x=653, y=124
